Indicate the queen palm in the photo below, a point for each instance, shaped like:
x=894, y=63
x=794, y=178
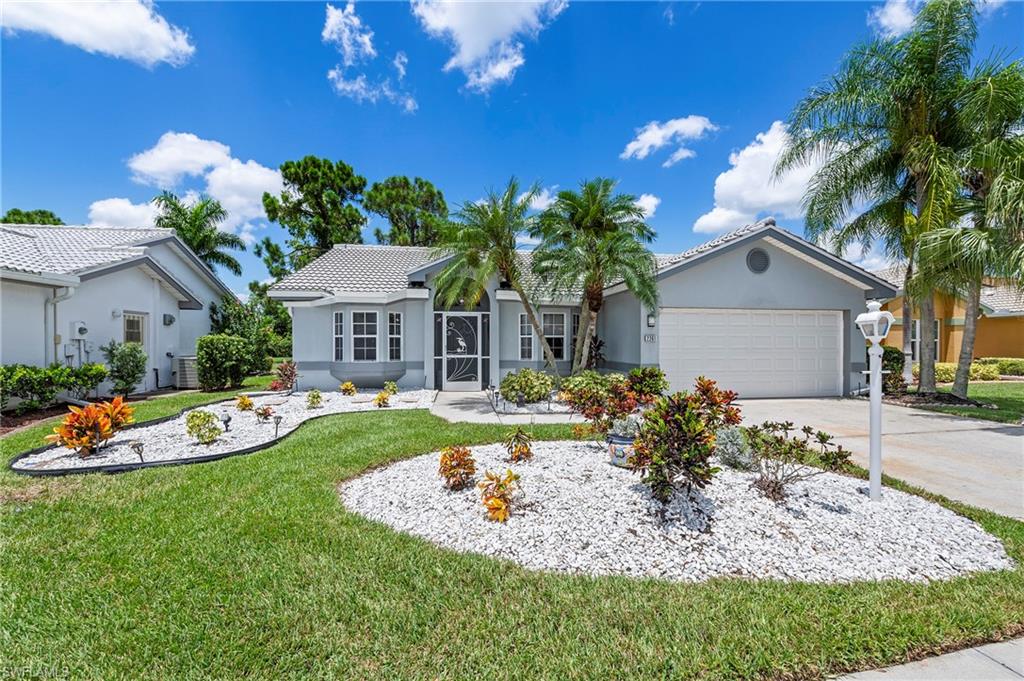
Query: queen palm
x=591, y=239
x=481, y=242
x=197, y=225
x=886, y=127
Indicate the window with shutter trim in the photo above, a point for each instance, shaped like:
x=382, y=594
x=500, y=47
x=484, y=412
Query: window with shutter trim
x=133, y=328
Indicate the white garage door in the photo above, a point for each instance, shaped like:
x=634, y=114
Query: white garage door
x=757, y=353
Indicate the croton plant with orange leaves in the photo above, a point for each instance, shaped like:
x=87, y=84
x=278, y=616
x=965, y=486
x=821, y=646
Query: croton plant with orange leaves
x=85, y=428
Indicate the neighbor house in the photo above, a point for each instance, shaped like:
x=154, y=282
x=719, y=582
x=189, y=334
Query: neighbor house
x=1000, y=326
x=759, y=309
x=65, y=291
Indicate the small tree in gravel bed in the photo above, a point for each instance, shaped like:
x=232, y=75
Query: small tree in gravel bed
x=674, y=446
x=783, y=460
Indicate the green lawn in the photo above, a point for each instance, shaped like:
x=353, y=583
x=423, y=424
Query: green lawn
x=1008, y=395
x=155, y=408
x=251, y=566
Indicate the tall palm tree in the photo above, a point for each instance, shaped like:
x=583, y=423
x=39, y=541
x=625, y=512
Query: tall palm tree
x=887, y=122
x=589, y=240
x=482, y=243
x=197, y=225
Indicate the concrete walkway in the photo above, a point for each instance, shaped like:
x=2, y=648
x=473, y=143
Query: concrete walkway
x=992, y=662
x=978, y=462
x=474, y=407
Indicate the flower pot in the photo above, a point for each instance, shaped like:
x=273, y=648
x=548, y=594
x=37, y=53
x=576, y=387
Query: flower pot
x=620, y=448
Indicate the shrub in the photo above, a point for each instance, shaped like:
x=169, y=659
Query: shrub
x=1010, y=366
x=945, y=372
x=391, y=387
x=496, y=492
x=783, y=460
x=126, y=363
x=85, y=379
x=244, y=403
x=627, y=427
x=285, y=376
x=314, y=399
x=647, y=383
x=263, y=413
x=84, y=429
x=381, y=400
x=202, y=425
x=249, y=322
x=581, y=431
x=278, y=345
x=347, y=388
x=517, y=444
x=677, y=438
x=985, y=372
x=221, y=361
x=589, y=379
x=36, y=387
x=603, y=408
x=892, y=362
x=733, y=450
x=457, y=467
x=534, y=385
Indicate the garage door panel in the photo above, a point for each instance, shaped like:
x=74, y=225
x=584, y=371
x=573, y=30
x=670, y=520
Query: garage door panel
x=757, y=353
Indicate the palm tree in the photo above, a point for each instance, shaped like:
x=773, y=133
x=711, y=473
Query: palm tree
x=197, y=225
x=591, y=239
x=885, y=124
x=482, y=244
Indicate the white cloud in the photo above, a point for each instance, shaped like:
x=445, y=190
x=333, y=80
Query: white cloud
x=126, y=29
x=354, y=41
x=648, y=203
x=345, y=30
x=118, y=212
x=486, y=37
x=747, y=189
x=542, y=199
x=656, y=135
x=527, y=242
x=400, y=62
x=238, y=185
x=894, y=18
x=871, y=260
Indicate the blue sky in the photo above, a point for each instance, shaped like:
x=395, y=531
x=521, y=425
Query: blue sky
x=105, y=104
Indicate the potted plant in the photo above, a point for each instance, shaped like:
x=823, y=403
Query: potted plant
x=620, y=439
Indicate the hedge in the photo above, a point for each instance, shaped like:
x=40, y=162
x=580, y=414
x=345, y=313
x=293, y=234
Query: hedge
x=221, y=361
x=1007, y=366
x=945, y=372
x=37, y=387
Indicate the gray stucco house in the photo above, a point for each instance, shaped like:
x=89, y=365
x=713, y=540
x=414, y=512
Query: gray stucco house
x=759, y=309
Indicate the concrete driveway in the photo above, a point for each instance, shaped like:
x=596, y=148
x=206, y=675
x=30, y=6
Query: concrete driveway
x=978, y=462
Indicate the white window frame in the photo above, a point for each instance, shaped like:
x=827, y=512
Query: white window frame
x=397, y=336
x=524, y=323
x=565, y=329
x=141, y=317
x=339, y=336
x=915, y=340
x=375, y=336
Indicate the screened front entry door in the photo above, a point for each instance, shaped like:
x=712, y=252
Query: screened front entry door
x=462, y=352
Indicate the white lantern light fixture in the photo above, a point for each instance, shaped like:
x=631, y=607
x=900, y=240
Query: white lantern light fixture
x=875, y=325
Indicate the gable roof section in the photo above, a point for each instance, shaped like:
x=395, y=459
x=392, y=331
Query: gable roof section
x=361, y=268
x=997, y=300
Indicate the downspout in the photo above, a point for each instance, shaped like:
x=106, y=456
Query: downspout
x=51, y=302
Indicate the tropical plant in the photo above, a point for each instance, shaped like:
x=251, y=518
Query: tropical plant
x=496, y=492
x=126, y=364
x=888, y=129
x=627, y=426
x=198, y=225
x=221, y=360
x=733, y=450
x=347, y=388
x=415, y=209
x=457, y=467
x=647, y=383
x=119, y=412
x=286, y=374
x=263, y=413
x=391, y=387
x=591, y=239
x=244, y=403
x=677, y=439
x=518, y=445
x=482, y=244
x=382, y=399
x=84, y=429
x=314, y=399
x=533, y=385
x=202, y=425
x=783, y=460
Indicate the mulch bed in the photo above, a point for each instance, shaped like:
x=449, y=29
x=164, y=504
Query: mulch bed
x=10, y=421
x=937, y=399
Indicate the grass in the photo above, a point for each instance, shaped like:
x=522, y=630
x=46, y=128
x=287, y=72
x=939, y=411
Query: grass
x=1007, y=395
x=251, y=567
x=19, y=441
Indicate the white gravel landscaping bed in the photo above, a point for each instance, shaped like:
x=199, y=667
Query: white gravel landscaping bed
x=578, y=514
x=168, y=441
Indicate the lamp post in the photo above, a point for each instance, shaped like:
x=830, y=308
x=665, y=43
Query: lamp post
x=874, y=325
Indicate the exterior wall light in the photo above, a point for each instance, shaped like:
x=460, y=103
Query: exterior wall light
x=874, y=325
x=652, y=319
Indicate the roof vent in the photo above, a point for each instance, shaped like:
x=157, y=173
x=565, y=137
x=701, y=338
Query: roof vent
x=758, y=260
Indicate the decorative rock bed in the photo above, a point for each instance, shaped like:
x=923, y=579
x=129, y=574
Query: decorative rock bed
x=167, y=441
x=577, y=514
x=551, y=406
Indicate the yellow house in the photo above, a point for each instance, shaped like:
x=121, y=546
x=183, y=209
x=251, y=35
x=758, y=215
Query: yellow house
x=1000, y=327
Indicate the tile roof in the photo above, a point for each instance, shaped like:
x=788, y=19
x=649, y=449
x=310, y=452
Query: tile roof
x=70, y=250
x=358, y=267
x=1001, y=299
x=720, y=240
